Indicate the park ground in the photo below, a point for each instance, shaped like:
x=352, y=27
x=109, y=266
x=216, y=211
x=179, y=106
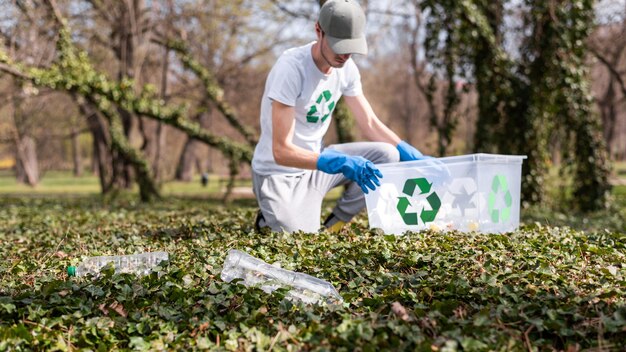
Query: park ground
x=557, y=283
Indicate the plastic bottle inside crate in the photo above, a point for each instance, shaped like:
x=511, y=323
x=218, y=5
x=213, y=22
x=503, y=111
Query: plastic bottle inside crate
x=139, y=264
x=255, y=272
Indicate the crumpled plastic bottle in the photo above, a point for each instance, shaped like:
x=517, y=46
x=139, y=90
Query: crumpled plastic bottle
x=255, y=272
x=139, y=264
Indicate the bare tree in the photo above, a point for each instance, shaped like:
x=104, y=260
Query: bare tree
x=608, y=46
x=190, y=156
x=441, y=95
x=25, y=43
x=129, y=39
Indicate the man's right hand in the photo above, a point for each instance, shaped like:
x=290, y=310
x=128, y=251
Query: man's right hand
x=355, y=168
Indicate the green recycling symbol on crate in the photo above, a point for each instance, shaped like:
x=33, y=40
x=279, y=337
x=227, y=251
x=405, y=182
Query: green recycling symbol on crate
x=323, y=105
x=499, y=186
x=403, y=202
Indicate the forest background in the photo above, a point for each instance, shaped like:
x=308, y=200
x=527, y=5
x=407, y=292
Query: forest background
x=146, y=92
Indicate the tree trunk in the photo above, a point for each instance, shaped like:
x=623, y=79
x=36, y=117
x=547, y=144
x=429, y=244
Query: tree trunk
x=149, y=133
x=148, y=189
x=609, y=115
x=233, y=168
x=27, y=166
x=161, y=131
x=20, y=177
x=189, y=156
x=161, y=136
x=122, y=171
x=102, y=159
x=184, y=170
x=208, y=165
x=127, y=38
x=407, y=112
x=101, y=154
x=76, y=158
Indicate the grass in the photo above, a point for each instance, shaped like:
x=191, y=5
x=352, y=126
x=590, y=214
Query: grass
x=63, y=182
x=51, y=183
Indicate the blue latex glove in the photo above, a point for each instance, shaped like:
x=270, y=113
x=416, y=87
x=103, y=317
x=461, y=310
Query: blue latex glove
x=356, y=168
x=410, y=153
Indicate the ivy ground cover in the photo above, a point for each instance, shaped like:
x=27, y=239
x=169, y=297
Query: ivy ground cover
x=539, y=288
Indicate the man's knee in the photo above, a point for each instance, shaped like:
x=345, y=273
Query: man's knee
x=384, y=153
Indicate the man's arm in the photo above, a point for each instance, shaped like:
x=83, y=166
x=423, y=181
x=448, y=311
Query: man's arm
x=330, y=161
x=373, y=129
x=285, y=152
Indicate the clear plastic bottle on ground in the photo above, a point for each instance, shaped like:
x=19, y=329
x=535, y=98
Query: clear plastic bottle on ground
x=255, y=272
x=140, y=264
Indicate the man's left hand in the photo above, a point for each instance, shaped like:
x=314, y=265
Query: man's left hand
x=410, y=153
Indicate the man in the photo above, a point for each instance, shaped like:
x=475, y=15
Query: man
x=291, y=170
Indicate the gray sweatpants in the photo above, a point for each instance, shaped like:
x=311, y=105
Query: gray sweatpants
x=294, y=202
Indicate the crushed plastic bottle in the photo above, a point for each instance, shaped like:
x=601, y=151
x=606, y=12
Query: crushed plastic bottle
x=139, y=264
x=255, y=272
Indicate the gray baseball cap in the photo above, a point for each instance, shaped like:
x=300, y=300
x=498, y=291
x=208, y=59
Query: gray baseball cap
x=343, y=22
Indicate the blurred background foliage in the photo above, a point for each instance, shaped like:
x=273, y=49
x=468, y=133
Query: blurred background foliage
x=141, y=93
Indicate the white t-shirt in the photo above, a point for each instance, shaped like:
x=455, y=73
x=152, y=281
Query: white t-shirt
x=296, y=81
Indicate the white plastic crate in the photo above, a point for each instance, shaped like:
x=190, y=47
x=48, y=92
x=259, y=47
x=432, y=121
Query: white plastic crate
x=476, y=192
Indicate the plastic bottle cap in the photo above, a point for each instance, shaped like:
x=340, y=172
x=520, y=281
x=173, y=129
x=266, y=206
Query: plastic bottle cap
x=71, y=270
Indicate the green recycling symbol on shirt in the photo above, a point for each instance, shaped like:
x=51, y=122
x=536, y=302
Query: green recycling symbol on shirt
x=322, y=105
x=499, y=186
x=409, y=190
